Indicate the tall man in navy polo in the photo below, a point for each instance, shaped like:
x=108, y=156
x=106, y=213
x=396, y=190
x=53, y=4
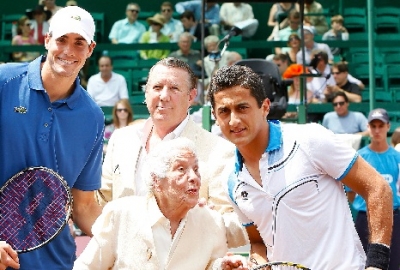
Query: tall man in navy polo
x=48, y=119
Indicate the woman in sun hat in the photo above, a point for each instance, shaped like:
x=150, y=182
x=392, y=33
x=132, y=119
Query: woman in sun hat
x=39, y=22
x=154, y=35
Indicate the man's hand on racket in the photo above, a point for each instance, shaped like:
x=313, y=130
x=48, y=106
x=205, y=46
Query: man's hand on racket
x=233, y=262
x=8, y=257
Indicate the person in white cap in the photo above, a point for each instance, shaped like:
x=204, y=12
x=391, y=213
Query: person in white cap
x=52, y=121
x=311, y=45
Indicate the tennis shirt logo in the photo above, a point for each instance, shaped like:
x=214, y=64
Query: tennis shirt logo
x=244, y=195
x=78, y=18
x=20, y=109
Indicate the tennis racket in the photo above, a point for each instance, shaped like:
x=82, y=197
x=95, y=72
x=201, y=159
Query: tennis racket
x=280, y=266
x=35, y=205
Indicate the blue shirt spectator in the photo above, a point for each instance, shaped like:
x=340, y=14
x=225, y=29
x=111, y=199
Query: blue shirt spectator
x=127, y=30
x=211, y=15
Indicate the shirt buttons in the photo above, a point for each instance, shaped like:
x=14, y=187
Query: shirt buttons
x=49, y=109
x=46, y=125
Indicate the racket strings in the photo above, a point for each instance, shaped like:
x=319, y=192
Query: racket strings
x=36, y=205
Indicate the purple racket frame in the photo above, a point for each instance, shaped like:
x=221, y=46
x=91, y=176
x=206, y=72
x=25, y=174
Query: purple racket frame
x=35, y=206
x=283, y=264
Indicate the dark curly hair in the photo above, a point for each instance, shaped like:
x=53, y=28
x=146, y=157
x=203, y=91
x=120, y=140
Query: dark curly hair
x=237, y=75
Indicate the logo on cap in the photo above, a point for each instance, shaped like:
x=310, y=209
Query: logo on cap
x=78, y=18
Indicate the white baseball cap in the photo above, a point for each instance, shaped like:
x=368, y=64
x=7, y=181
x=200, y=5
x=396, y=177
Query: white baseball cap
x=72, y=19
x=310, y=29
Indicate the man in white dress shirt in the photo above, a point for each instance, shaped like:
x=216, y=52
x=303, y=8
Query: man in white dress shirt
x=107, y=87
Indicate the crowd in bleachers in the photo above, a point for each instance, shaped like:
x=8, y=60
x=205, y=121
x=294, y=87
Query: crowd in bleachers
x=167, y=24
x=331, y=75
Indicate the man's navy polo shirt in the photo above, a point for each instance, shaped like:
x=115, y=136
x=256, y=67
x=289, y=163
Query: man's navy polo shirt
x=65, y=136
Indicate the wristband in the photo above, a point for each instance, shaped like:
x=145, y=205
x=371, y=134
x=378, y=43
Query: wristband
x=378, y=256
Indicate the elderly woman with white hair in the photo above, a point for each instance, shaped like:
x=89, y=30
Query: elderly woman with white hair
x=166, y=229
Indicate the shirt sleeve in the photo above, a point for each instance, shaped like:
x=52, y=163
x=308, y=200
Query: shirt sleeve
x=90, y=177
x=180, y=7
x=123, y=89
x=355, y=89
x=98, y=252
x=363, y=121
x=341, y=157
x=114, y=31
x=351, y=79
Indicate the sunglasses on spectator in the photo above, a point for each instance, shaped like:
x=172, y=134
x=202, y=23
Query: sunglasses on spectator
x=134, y=10
x=166, y=10
x=122, y=110
x=336, y=73
x=293, y=38
x=28, y=24
x=341, y=103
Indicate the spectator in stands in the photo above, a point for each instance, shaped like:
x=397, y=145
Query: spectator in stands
x=238, y=14
x=211, y=15
x=211, y=45
x=337, y=32
x=122, y=116
x=172, y=27
x=294, y=43
x=24, y=37
x=279, y=12
x=340, y=73
x=317, y=19
x=293, y=28
x=157, y=230
x=186, y=54
x=192, y=26
x=39, y=22
x=170, y=91
x=282, y=61
x=386, y=161
x=395, y=140
x=293, y=72
x=107, y=87
x=154, y=36
x=233, y=57
x=318, y=85
x=344, y=121
x=51, y=6
x=127, y=30
x=310, y=45
x=228, y=58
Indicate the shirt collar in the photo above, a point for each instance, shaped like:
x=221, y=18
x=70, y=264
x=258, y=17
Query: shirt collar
x=126, y=21
x=35, y=82
x=179, y=129
x=144, y=133
x=154, y=212
x=274, y=143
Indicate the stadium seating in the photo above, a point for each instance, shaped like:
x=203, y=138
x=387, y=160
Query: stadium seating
x=100, y=25
x=8, y=21
x=387, y=19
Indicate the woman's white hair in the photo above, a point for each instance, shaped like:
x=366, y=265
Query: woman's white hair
x=160, y=159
